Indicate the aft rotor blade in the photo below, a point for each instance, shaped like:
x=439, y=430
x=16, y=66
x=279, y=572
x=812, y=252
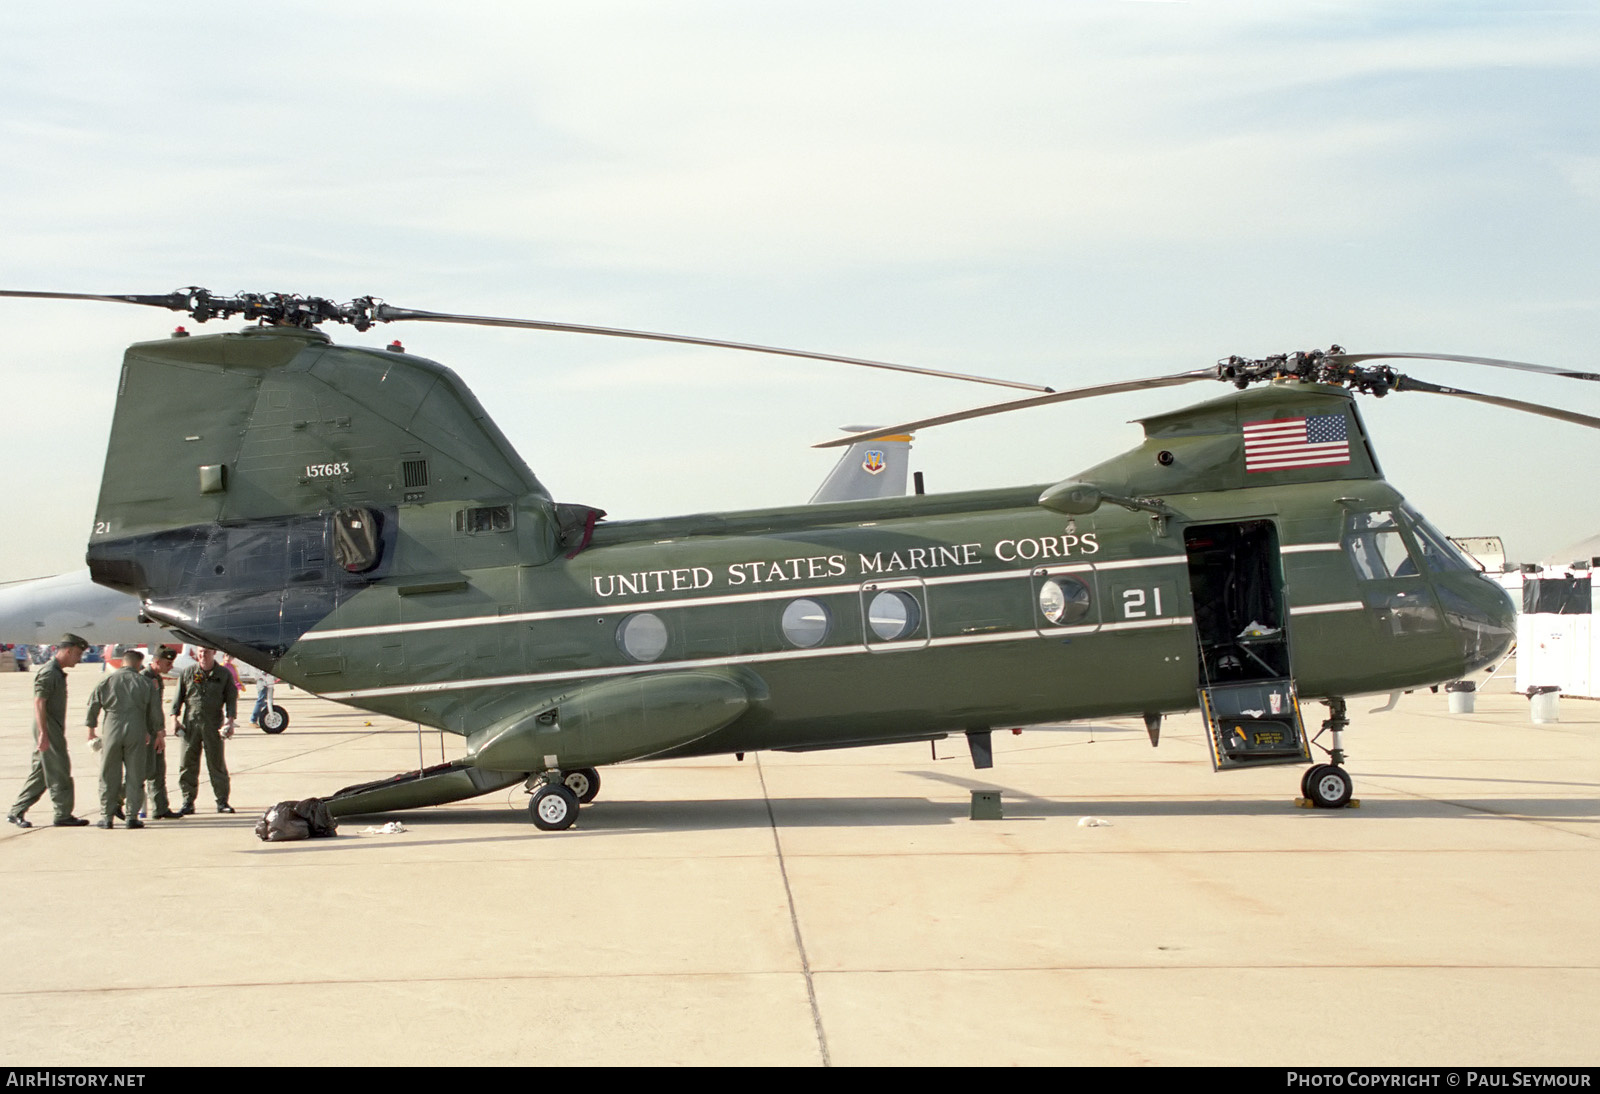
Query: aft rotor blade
x=1406, y=383
x=1022, y=404
x=1493, y=362
x=385, y=313
x=176, y=301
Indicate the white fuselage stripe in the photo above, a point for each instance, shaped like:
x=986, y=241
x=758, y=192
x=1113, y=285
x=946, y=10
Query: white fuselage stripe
x=570, y=613
x=1131, y=563
x=790, y=655
x=749, y=659
x=1320, y=609
x=794, y=593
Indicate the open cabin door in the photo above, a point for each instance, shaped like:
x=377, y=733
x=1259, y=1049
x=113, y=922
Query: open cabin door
x=1247, y=696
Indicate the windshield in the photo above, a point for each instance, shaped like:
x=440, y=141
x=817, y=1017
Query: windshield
x=1438, y=553
x=1375, y=546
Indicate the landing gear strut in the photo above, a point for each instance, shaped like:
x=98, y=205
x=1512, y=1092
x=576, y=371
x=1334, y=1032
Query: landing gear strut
x=1328, y=786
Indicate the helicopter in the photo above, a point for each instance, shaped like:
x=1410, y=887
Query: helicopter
x=352, y=521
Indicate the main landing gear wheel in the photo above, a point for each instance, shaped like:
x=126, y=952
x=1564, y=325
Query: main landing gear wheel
x=1328, y=787
x=553, y=808
x=584, y=784
x=274, y=720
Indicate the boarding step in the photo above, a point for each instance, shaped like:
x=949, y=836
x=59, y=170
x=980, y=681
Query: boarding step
x=1254, y=724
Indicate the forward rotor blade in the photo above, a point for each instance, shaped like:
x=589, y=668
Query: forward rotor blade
x=385, y=313
x=1407, y=383
x=1493, y=362
x=1022, y=404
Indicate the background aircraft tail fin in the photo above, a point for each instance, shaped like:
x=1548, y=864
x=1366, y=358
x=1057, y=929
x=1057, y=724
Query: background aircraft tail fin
x=875, y=468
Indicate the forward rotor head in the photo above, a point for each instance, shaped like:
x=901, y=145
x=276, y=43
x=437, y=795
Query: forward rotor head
x=1331, y=366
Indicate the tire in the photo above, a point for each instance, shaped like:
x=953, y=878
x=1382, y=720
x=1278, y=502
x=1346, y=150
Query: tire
x=1305, y=780
x=274, y=720
x=1331, y=789
x=553, y=808
x=584, y=784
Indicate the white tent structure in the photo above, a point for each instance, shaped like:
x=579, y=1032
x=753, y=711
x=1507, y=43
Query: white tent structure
x=1582, y=553
x=1557, y=645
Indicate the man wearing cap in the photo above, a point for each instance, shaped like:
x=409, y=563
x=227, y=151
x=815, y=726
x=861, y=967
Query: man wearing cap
x=204, y=690
x=52, y=767
x=133, y=718
x=155, y=756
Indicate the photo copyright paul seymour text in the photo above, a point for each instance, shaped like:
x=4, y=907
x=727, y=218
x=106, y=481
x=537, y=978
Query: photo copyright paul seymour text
x=1475, y=1080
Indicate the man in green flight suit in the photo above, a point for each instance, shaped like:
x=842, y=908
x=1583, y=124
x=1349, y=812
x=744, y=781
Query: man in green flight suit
x=51, y=766
x=133, y=718
x=155, y=757
x=204, y=690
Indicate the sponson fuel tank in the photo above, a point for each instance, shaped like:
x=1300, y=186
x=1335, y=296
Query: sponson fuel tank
x=613, y=721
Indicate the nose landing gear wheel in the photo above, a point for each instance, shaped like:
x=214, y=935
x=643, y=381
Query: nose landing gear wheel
x=553, y=808
x=584, y=784
x=1305, y=780
x=1328, y=787
x=274, y=720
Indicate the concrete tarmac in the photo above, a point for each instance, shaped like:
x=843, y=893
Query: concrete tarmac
x=833, y=907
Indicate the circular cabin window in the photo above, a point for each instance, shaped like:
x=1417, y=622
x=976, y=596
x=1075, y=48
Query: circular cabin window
x=642, y=636
x=1064, y=600
x=805, y=623
x=893, y=614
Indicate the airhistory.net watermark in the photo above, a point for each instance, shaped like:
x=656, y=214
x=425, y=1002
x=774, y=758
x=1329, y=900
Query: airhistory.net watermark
x=51, y=1078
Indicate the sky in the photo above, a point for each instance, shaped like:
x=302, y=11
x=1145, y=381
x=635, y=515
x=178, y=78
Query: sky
x=1061, y=193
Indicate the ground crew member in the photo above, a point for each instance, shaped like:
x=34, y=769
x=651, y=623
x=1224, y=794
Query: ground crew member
x=205, y=689
x=155, y=757
x=51, y=765
x=133, y=718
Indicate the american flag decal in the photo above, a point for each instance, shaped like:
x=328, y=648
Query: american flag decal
x=1278, y=444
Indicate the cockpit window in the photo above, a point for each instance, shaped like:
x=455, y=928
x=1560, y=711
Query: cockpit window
x=1375, y=546
x=1438, y=553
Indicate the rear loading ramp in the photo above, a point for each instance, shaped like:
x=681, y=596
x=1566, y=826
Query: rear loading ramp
x=437, y=785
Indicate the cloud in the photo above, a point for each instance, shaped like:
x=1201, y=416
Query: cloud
x=1057, y=192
